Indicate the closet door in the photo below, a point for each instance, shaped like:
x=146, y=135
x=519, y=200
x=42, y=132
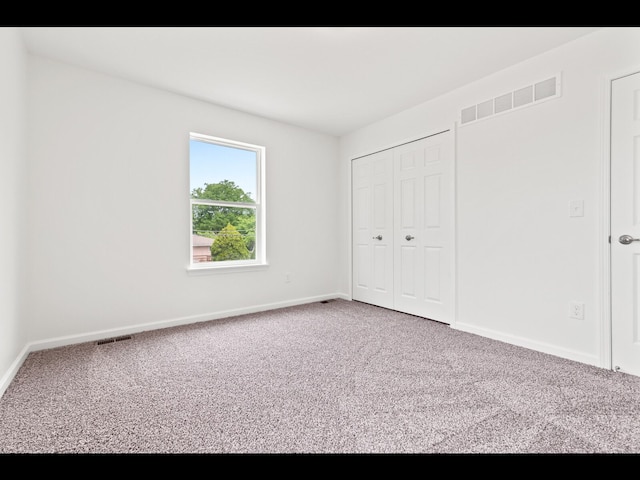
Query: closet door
x=372, y=229
x=424, y=228
x=403, y=228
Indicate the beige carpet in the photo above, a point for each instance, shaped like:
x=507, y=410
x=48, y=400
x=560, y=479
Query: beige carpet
x=336, y=377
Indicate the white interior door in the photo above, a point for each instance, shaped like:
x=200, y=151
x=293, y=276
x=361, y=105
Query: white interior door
x=625, y=224
x=423, y=233
x=372, y=229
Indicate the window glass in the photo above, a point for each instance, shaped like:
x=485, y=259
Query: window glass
x=226, y=202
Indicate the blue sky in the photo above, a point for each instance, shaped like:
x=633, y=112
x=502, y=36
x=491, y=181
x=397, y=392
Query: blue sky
x=213, y=163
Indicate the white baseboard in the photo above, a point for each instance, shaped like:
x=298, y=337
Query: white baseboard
x=116, y=332
x=8, y=377
x=593, y=360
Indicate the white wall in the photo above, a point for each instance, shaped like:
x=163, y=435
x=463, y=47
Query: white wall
x=108, y=237
x=13, y=330
x=521, y=259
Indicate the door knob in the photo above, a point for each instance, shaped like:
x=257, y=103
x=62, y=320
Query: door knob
x=409, y=237
x=627, y=239
x=379, y=237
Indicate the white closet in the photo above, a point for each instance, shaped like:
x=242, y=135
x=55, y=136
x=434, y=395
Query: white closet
x=403, y=228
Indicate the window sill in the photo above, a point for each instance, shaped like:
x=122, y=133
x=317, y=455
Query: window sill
x=215, y=269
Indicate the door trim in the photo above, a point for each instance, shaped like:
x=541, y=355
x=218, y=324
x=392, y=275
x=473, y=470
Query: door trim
x=604, y=243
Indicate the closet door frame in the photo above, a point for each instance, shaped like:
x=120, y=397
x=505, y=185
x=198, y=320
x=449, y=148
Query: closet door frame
x=452, y=130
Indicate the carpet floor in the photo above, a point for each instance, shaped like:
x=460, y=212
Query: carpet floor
x=337, y=377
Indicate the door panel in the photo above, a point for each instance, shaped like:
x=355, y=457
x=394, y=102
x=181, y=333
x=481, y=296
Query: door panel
x=424, y=200
x=432, y=201
x=381, y=280
x=432, y=274
x=409, y=203
x=625, y=220
x=407, y=271
x=372, y=222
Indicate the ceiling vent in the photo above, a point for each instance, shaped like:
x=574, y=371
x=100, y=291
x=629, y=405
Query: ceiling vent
x=533, y=94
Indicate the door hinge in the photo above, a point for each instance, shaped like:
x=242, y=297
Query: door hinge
x=609, y=238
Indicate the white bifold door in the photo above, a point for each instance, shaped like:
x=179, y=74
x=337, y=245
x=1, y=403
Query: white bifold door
x=403, y=228
x=372, y=228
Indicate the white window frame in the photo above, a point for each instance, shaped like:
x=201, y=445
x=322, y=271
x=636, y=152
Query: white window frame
x=260, y=260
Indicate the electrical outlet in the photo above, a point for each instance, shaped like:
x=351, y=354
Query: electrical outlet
x=576, y=310
x=287, y=277
x=576, y=208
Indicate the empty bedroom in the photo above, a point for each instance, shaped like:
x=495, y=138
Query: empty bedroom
x=319, y=240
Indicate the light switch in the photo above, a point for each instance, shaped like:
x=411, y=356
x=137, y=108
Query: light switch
x=576, y=208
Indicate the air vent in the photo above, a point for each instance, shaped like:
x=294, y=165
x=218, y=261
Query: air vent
x=114, y=339
x=507, y=102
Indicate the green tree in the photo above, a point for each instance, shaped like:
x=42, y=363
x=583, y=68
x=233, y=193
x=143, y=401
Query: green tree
x=225, y=190
x=229, y=245
x=246, y=225
x=208, y=220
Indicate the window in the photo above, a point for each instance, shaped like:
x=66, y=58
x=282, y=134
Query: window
x=227, y=203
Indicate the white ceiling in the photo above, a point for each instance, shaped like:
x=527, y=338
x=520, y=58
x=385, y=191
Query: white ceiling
x=328, y=79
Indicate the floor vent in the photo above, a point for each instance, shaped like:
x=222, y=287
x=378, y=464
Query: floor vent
x=327, y=301
x=114, y=339
x=521, y=97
